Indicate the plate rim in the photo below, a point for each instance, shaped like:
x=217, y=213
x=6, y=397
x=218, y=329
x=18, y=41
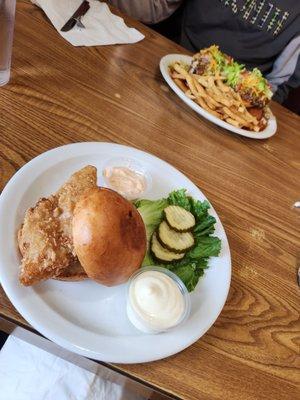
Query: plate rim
x=272, y=123
x=27, y=314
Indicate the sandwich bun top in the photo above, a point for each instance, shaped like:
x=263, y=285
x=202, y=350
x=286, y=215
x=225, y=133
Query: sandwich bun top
x=109, y=236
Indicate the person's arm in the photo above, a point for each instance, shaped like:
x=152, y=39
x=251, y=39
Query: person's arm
x=285, y=74
x=147, y=11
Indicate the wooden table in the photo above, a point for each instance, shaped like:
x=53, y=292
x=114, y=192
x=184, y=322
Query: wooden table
x=61, y=94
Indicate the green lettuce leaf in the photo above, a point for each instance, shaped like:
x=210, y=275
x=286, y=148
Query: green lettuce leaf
x=199, y=209
x=189, y=271
x=189, y=275
x=206, y=246
x=206, y=226
x=148, y=259
x=196, y=207
x=192, y=266
x=179, y=198
x=152, y=213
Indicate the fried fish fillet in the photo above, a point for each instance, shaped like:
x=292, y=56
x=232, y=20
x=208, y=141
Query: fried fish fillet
x=73, y=273
x=45, y=237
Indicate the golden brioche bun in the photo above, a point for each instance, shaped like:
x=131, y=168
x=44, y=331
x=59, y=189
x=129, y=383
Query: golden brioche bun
x=109, y=236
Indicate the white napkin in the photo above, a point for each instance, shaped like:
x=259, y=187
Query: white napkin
x=29, y=373
x=101, y=26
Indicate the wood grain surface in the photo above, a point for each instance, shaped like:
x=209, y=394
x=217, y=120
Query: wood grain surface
x=61, y=94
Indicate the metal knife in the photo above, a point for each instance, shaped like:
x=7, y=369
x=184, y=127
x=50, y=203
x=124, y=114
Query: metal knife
x=75, y=19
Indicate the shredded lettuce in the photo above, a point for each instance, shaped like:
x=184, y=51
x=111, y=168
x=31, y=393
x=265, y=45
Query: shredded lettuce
x=218, y=56
x=262, y=85
x=232, y=73
x=235, y=74
x=192, y=266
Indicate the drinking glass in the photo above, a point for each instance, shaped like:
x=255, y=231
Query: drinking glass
x=7, y=18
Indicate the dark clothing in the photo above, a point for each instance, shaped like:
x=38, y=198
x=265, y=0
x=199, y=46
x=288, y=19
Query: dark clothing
x=252, y=31
x=258, y=33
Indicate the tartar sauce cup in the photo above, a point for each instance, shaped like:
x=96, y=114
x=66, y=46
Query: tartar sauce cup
x=127, y=176
x=157, y=300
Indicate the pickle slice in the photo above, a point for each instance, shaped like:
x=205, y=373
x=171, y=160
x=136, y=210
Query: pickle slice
x=177, y=242
x=179, y=219
x=161, y=253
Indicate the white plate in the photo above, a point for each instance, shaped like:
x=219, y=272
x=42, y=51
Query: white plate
x=85, y=317
x=269, y=131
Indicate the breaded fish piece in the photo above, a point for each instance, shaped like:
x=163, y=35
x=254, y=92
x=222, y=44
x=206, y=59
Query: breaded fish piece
x=45, y=237
x=73, y=273
x=69, y=193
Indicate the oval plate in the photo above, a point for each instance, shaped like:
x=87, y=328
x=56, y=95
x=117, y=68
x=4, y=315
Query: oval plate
x=86, y=317
x=269, y=131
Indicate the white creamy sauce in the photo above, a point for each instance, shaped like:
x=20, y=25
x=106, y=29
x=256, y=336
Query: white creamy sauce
x=125, y=181
x=155, y=302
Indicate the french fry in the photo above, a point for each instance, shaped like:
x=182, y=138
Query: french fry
x=238, y=102
x=221, y=98
x=243, y=113
x=222, y=86
x=214, y=96
x=181, y=70
x=210, y=82
x=192, y=86
x=200, y=88
x=190, y=95
x=203, y=104
x=176, y=75
x=249, y=117
x=180, y=83
x=235, y=117
x=233, y=122
x=217, y=94
x=209, y=100
x=202, y=80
